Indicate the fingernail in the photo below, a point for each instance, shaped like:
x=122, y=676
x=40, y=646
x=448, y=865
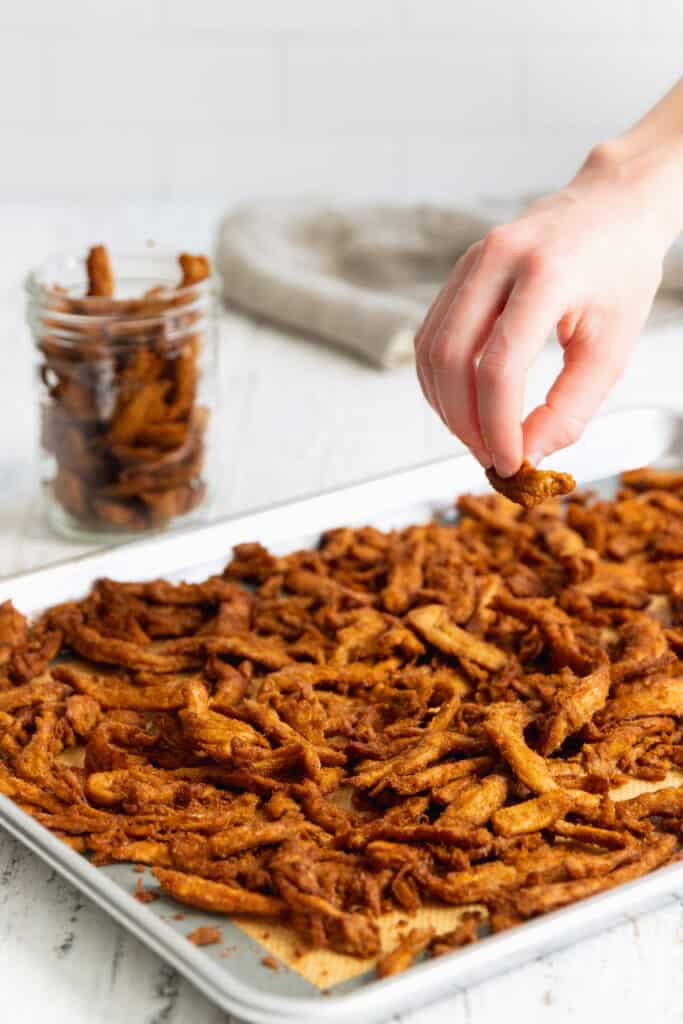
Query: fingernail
x=506, y=469
x=482, y=457
x=534, y=458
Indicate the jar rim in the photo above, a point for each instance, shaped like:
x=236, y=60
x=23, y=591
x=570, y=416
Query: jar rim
x=99, y=307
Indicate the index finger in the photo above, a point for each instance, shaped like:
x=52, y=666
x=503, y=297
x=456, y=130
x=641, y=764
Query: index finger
x=433, y=320
x=530, y=314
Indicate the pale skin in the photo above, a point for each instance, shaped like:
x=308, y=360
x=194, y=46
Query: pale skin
x=586, y=261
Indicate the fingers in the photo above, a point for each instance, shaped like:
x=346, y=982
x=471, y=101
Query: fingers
x=594, y=359
x=432, y=321
x=421, y=377
x=452, y=344
x=456, y=390
x=532, y=310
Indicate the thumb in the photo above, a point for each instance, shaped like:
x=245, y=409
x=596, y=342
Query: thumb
x=592, y=365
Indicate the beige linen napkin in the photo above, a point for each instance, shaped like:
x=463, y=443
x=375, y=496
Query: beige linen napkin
x=359, y=276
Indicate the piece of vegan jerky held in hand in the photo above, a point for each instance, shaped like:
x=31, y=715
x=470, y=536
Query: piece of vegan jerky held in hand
x=529, y=486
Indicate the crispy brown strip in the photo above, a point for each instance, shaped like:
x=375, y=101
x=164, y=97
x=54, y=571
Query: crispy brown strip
x=32, y=693
x=504, y=725
x=435, y=625
x=476, y=803
x=100, y=274
x=537, y=899
x=13, y=630
x=465, y=932
x=574, y=705
x=474, y=885
x=655, y=697
x=215, y=896
x=194, y=268
x=531, y=815
x=407, y=951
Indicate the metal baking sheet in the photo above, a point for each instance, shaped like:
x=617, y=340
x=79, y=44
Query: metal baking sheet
x=231, y=973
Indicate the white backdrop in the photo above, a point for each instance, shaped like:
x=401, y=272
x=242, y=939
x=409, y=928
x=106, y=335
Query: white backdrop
x=122, y=120
x=396, y=98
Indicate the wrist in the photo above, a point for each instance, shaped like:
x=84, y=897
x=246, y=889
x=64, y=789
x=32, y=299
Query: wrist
x=648, y=170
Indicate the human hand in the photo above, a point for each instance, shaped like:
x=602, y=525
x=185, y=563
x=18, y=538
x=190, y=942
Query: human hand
x=587, y=261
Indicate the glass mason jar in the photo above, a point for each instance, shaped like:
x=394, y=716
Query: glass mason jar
x=127, y=394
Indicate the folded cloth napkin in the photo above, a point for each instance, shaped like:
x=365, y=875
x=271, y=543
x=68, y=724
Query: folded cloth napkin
x=358, y=276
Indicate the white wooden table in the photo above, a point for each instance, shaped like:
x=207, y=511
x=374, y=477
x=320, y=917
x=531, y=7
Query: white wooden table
x=295, y=418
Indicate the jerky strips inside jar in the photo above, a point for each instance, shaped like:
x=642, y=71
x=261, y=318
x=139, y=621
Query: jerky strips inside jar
x=126, y=374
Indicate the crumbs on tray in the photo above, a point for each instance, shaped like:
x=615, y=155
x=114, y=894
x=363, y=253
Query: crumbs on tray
x=205, y=936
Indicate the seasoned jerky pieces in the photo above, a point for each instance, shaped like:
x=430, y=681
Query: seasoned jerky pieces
x=407, y=950
x=529, y=487
x=442, y=715
x=100, y=273
x=194, y=268
x=121, y=416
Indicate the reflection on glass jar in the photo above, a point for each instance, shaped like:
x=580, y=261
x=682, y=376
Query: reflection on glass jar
x=127, y=379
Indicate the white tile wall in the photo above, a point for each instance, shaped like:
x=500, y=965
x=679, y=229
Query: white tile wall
x=24, y=81
x=280, y=16
x=83, y=16
x=469, y=17
x=415, y=87
x=430, y=98
x=167, y=86
x=662, y=16
x=602, y=17
x=601, y=86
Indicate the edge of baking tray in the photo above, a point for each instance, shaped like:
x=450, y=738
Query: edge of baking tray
x=423, y=983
